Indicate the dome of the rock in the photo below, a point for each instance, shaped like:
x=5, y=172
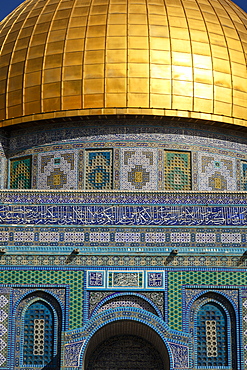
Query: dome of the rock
x=182, y=58
x=123, y=185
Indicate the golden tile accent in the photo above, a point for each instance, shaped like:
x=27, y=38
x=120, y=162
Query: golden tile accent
x=115, y=85
x=94, y=86
x=51, y=90
x=116, y=70
x=113, y=100
x=182, y=58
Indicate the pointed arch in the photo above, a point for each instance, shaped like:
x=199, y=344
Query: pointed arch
x=214, y=331
x=212, y=336
x=37, y=332
x=140, y=338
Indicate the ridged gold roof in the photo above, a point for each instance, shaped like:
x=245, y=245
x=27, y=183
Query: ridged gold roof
x=184, y=58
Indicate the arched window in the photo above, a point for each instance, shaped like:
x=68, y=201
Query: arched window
x=212, y=336
x=39, y=336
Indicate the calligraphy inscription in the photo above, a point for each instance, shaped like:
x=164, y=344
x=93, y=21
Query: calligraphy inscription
x=125, y=279
x=123, y=215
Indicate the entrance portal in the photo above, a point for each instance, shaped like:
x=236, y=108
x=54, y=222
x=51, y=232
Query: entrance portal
x=126, y=345
x=125, y=352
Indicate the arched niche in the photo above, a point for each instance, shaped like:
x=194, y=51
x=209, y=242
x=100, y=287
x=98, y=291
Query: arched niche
x=221, y=303
x=31, y=314
x=137, y=341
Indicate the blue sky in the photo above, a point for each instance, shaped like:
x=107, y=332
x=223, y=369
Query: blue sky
x=7, y=6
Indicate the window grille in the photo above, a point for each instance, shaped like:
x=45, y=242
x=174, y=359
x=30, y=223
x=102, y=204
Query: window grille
x=211, y=336
x=38, y=344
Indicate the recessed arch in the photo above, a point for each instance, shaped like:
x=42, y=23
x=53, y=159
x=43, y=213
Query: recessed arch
x=37, y=331
x=126, y=299
x=135, y=337
x=219, y=311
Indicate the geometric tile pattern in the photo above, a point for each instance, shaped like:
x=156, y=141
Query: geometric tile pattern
x=138, y=174
x=4, y=307
x=234, y=238
x=216, y=172
x=3, y=167
x=98, y=169
x=95, y=298
x=3, y=330
x=52, y=277
x=2, y=343
x=127, y=237
x=243, y=183
x=11, y=237
x=57, y=170
x=91, y=197
x=208, y=146
x=20, y=173
x=138, y=169
x=127, y=301
x=151, y=237
x=180, y=237
x=211, y=336
x=3, y=315
x=194, y=276
x=180, y=356
x=2, y=359
x=112, y=258
x=205, y=238
x=177, y=170
x=71, y=354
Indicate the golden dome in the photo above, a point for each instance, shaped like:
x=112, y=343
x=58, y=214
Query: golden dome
x=184, y=58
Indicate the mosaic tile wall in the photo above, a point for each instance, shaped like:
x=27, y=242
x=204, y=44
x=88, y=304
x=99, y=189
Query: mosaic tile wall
x=177, y=170
x=216, y=172
x=243, y=183
x=3, y=171
x=112, y=240
x=217, y=161
x=133, y=169
x=139, y=169
x=4, y=316
x=20, y=173
x=213, y=277
x=41, y=277
x=57, y=170
x=54, y=222
x=194, y=278
x=133, y=260
x=135, y=254
x=98, y=169
x=244, y=312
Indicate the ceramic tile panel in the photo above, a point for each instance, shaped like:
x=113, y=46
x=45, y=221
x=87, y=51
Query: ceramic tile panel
x=216, y=172
x=20, y=173
x=177, y=170
x=57, y=170
x=138, y=169
x=98, y=169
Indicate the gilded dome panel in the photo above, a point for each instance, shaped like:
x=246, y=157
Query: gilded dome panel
x=184, y=58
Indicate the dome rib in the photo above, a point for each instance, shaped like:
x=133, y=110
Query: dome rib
x=182, y=58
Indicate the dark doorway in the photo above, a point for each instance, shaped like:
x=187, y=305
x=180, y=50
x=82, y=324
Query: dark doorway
x=126, y=345
x=125, y=352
